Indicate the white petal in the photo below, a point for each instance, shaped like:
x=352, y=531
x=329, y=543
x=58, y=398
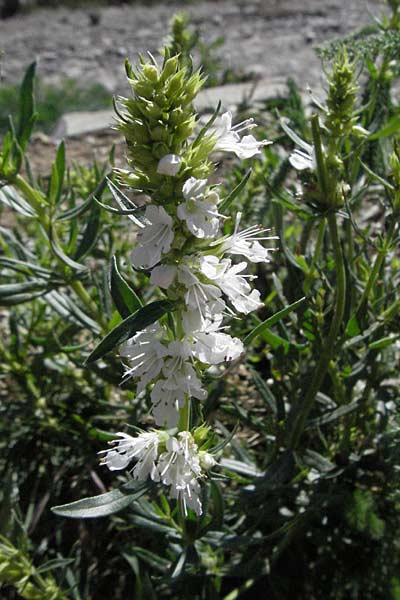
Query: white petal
x=169, y=165
x=163, y=276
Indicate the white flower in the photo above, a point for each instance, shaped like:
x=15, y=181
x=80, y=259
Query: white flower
x=207, y=461
x=233, y=285
x=214, y=347
x=247, y=242
x=145, y=354
x=144, y=448
x=179, y=467
x=204, y=298
x=228, y=139
x=163, y=275
x=200, y=209
x=155, y=239
x=166, y=402
x=180, y=381
x=169, y=165
x=180, y=372
x=302, y=160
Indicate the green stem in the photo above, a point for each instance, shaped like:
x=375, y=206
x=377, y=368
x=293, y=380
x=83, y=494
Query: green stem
x=329, y=347
x=184, y=416
x=376, y=268
x=32, y=196
x=319, y=158
x=317, y=253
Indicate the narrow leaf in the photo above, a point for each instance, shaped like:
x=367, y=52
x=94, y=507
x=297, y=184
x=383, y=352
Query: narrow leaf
x=90, y=233
x=139, y=320
x=207, y=126
x=26, y=116
x=226, y=202
x=10, y=197
x=104, y=504
x=262, y=327
x=125, y=299
x=57, y=176
x=388, y=129
x=124, y=202
x=264, y=390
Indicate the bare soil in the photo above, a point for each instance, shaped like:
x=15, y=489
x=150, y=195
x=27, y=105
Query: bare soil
x=271, y=38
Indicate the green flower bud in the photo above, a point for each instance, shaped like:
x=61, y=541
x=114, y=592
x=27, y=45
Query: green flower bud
x=170, y=67
x=151, y=73
x=160, y=134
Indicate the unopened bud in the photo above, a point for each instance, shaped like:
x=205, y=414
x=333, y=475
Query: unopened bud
x=169, y=165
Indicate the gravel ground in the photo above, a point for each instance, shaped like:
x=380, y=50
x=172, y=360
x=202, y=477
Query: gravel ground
x=273, y=38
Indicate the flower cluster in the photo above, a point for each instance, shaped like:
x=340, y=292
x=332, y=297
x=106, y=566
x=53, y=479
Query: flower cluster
x=176, y=461
x=181, y=247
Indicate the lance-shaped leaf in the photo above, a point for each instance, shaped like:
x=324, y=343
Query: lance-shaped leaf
x=57, y=176
x=25, y=267
x=265, y=325
x=139, y=320
x=125, y=299
x=76, y=211
x=9, y=289
x=10, y=197
x=26, y=113
x=103, y=504
x=62, y=256
x=90, y=233
x=226, y=202
x=125, y=203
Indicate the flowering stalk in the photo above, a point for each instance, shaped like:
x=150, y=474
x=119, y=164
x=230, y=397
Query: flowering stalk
x=180, y=246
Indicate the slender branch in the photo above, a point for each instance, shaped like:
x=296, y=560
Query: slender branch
x=329, y=347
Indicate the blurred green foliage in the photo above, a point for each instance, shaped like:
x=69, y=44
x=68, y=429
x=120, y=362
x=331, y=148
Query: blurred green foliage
x=52, y=101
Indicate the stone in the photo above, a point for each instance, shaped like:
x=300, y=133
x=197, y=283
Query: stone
x=75, y=124
x=79, y=123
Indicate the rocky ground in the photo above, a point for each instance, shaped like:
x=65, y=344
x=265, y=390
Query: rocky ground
x=272, y=39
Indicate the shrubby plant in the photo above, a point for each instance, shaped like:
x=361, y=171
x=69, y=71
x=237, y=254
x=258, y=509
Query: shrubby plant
x=269, y=466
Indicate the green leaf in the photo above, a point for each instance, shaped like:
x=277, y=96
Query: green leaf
x=207, y=126
x=104, y=504
x=76, y=211
x=90, y=234
x=265, y=325
x=240, y=467
x=124, y=203
x=125, y=299
x=383, y=342
x=10, y=197
x=9, y=289
x=390, y=128
x=218, y=504
x=25, y=267
x=63, y=257
x=66, y=308
x=353, y=327
x=20, y=298
x=226, y=202
x=26, y=114
x=264, y=390
x=121, y=211
x=57, y=176
x=333, y=415
x=139, y=320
